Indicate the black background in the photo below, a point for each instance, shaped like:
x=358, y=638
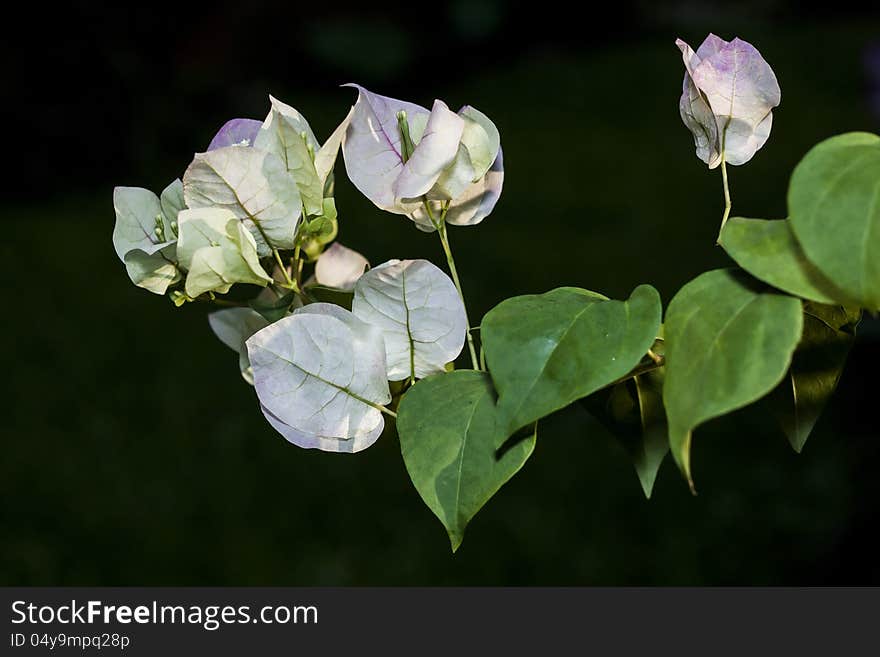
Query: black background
x=134, y=454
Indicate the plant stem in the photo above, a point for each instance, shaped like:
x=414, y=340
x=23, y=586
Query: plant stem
x=387, y=411
x=297, y=264
x=289, y=280
x=642, y=368
x=724, y=182
x=450, y=260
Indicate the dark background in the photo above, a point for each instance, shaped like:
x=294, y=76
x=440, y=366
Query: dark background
x=133, y=453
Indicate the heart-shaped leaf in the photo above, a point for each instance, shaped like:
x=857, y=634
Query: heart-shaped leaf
x=729, y=341
x=798, y=402
x=545, y=351
x=320, y=378
x=420, y=313
x=834, y=208
x=769, y=251
x=252, y=184
x=454, y=452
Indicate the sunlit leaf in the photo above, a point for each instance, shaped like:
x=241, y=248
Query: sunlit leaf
x=545, y=351
x=834, y=208
x=769, y=251
x=729, y=341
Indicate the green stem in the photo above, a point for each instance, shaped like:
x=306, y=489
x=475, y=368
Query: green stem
x=641, y=368
x=290, y=283
x=450, y=260
x=297, y=264
x=727, y=203
x=387, y=411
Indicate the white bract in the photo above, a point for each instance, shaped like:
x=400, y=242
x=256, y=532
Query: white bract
x=727, y=98
x=320, y=377
x=254, y=185
x=287, y=134
x=340, y=267
x=144, y=235
x=420, y=312
x=235, y=132
x=410, y=161
x=217, y=251
x=233, y=326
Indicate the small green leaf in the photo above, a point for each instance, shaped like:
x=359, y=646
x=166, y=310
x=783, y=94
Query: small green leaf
x=545, y=351
x=273, y=309
x=633, y=412
x=769, y=251
x=454, y=449
x=729, y=341
x=834, y=208
x=798, y=402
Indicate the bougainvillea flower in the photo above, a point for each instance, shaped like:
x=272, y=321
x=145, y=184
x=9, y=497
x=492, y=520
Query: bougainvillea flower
x=728, y=95
x=419, y=163
x=236, y=132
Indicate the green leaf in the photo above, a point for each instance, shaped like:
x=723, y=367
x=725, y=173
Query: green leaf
x=545, y=351
x=273, y=309
x=320, y=231
x=729, y=341
x=633, y=412
x=798, y=402
x=453, y=447
x=769, y=251
x=834, y=208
